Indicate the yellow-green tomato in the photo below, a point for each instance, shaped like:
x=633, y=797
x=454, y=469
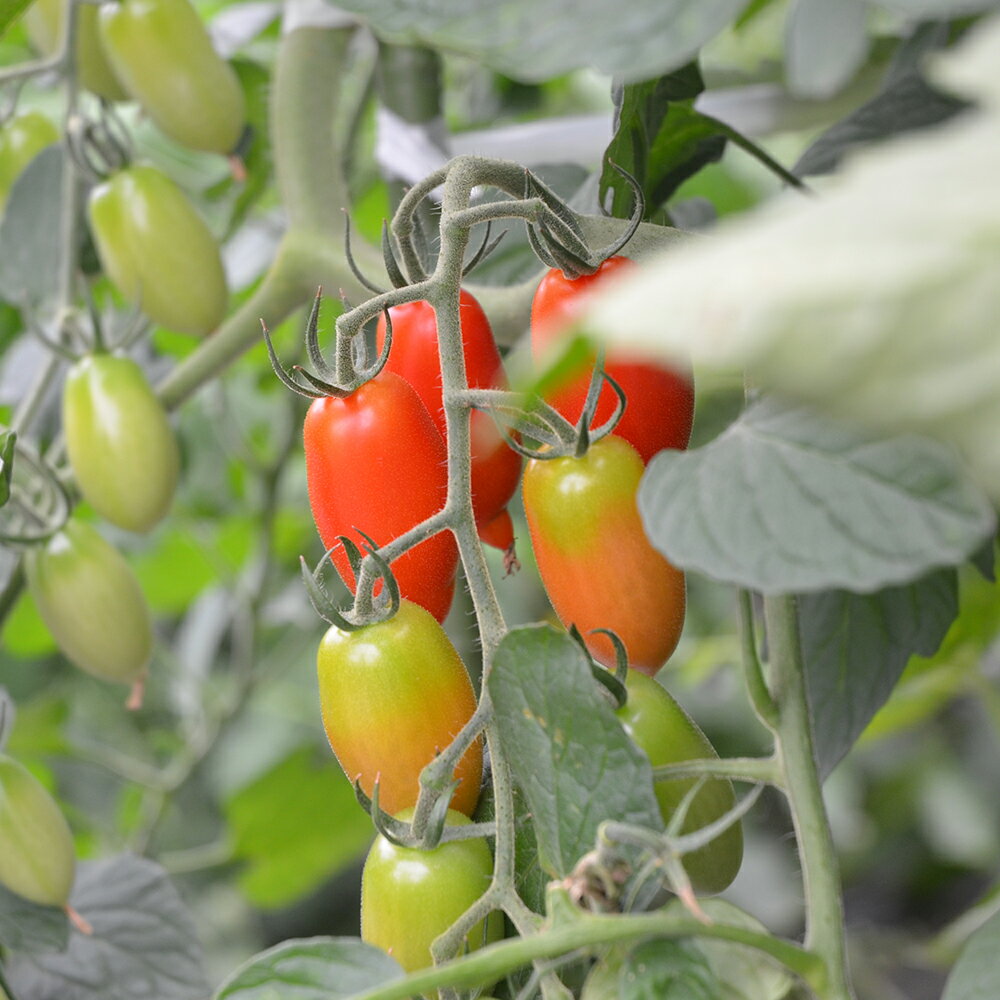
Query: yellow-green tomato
x=120, y=444
x=21, y=140
x=44, y=21
x=91, y=602
x=162, y=52
x=158, y=250
x=668, y=735
x=37, y=858
x=409, y=896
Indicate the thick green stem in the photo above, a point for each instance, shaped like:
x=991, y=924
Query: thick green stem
x=796, y=755
x=492, y=963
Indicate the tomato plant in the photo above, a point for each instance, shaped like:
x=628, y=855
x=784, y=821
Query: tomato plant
x=597, y=565
x=164, y=56
x=660, y=407
x=376, y=463
x=21, y=140
x=158, y=250
x=37, y=857
x=496, y=468
x=668, y=735
x=91, y=602
x=393, y=695
x=45, y=23
x=410, y=896
x=120, y=444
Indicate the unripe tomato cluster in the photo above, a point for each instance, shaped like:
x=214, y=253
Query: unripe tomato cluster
x=159, y=253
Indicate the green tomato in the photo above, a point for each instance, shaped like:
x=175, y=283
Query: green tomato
x=44, y=23
x=21, y=140
x=120, y=443
x=668, y=735
x=37, y=858
x=158, y=250
x=91, y=602
x=162, y=52
x=409, y=896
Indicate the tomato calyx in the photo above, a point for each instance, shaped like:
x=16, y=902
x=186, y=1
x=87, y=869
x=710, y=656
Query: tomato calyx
x=99, y=147
x=557, y=240
x=37, y=504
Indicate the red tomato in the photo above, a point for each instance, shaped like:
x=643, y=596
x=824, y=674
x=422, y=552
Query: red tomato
x=376, y=463
x=594, y=558
x=496, y=468
x=660, y=406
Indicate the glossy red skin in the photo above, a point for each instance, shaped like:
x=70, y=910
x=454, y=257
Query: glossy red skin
x=496, y=468
x=597, y=565
x=660, y=406
x=376, y=463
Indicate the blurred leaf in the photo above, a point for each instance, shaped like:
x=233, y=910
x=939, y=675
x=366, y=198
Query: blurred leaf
x=533, y=41
x=856, y=646
x=924, y=9
x=785, y=500
x=143, y=943
x=659, y=139
x=31, y=232
x=826, y=44
x=28, y=927
x=568, y=751
x=10, y=11
x=667, y=970
x=295, y=827
x=39, y=729
x=320, y=968
x=958, y=822
x=976, y=975
x=908, y=102
x=861, y=302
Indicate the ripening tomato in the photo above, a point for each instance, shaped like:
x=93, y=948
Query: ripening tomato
x=163, y=54
x=597, y=565
x=21, y=140
x=496, y=468
x=120, y=444
x=158, y=250
x=660, y=406
x=44, y=21
x=376, y=463
x=668, y=735
x=37, y=857
x=393, y=695
x=91, y=602
x=410, y=896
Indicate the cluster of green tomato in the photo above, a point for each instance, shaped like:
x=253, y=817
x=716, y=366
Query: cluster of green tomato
x=395, y=693
x=160, y=254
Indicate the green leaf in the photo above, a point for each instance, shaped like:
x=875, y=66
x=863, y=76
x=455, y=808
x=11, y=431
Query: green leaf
x=855, y=648
x=786, y=500
x=659, y=139
x=567, y=749
x=976, y=975
x=320, y=968
x=295, y=826
x=143, y=943
x=534, y=41
x=10, y=11
x=826, y=44
x=667, y=970
x=907, y=103
x=28, y=927
x=861, y=302
x=31, y=232
x=7, y=442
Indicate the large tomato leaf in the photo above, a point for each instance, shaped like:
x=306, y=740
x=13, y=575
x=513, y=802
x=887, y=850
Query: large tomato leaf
x=976, y=975
x=786, y=500
x=532, y=40
x=856, y=646
x=568, y=751
x=320, y=968
x=860, y=301
x=143, y=941
x=26, y=926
